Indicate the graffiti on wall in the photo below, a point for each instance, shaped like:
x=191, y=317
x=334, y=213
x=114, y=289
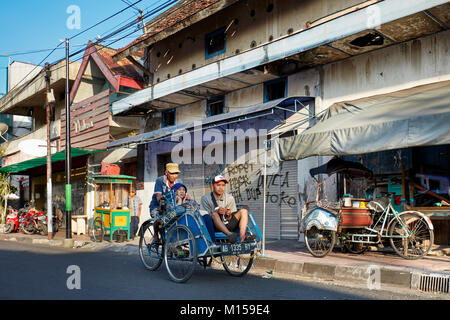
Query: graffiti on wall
x=247, y=184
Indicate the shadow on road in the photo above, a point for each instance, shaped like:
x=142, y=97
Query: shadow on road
x=38, y=272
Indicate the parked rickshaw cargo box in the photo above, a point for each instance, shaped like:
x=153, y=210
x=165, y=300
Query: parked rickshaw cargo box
x=357, y=215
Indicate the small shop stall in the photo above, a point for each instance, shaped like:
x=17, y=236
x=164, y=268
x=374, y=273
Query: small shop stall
x=111, y=192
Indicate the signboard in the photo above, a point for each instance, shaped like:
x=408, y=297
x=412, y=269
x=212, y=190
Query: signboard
x=89, y=123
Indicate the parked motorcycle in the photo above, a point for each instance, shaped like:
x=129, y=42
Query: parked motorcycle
x=30, y=221
x=43, y=224
x=12, y=221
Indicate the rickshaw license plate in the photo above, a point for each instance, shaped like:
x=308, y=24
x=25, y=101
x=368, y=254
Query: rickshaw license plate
x=236, y=248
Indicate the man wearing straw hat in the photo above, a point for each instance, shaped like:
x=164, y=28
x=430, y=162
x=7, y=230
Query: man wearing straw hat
x=163, y=184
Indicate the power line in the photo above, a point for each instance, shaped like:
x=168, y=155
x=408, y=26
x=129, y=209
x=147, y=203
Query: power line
x=21, y=53
x=122, y=29
x=126, y=2
x=42, y=61
x=127, y=20
x=106, y=19
x=53, y=50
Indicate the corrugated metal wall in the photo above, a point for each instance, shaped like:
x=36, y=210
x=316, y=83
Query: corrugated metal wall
x=246, y=185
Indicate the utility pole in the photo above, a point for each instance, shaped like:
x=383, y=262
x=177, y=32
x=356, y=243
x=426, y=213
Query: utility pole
x=68, y=153
x=50, y=101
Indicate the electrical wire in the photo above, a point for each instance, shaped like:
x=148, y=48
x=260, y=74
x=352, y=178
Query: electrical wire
x=106, y=19
x=54, y=49
x=120, y=30
x=42, y=61
x=126, y=2
x=150, y=13
x=21, y=53
x=131, y=24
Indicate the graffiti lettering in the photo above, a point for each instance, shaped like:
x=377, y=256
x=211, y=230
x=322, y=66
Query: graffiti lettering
x=282, y=199
x=275, y=180
x=240, y=181
x=238, y=169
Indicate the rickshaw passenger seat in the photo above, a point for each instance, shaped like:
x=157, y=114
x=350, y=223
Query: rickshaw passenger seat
x=252, y=228
x=221, y=236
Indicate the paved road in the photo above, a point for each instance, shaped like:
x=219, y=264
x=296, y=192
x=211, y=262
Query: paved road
x=39, y=272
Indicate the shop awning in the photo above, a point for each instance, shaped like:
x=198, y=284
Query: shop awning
x=419, y=116
x=260, y=110
x=42, y=161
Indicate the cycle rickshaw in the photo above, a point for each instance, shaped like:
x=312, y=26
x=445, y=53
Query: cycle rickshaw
x=358, y=223
x=185, y=241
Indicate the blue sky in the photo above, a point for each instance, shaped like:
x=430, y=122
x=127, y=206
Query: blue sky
x=28, y=25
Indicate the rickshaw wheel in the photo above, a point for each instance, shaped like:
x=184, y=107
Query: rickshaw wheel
x=180, y=253
x=355, y=248
x=98, y=231
x=150, y=254
x=237, y=266
x=319, y=242
x=418, y=244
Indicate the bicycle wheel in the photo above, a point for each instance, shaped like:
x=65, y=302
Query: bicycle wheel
x=237, y=266
x=98, y=231
x=418, y=244
x=151, y=254
x=319, y=242
x=180, y=253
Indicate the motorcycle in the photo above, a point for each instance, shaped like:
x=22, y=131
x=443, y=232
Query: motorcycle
x=43, y=224
x=30, y=221
x=12, y=221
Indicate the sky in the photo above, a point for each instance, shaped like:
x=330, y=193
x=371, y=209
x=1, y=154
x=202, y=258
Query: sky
x=34, y=25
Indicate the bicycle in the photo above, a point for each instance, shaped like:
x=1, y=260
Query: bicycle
x=410, y=233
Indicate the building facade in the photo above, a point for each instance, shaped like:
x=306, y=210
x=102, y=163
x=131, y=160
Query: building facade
x=210, y=58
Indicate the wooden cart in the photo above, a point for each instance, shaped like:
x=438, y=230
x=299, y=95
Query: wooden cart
x=111, y=193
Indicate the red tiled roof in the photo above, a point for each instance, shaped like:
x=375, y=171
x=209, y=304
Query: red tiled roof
x=123, y=67
x=172, y=19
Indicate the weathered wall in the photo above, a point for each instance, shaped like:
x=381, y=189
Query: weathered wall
x=409, y=64
x=20, y=72
x=397, y=67
x=417, y=62
x=178, y=53
x=92, y=82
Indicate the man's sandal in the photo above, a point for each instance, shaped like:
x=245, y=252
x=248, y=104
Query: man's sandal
x=232, y=237
x=250, y=238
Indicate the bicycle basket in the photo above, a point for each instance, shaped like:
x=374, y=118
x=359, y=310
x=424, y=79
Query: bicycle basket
x=383, y=202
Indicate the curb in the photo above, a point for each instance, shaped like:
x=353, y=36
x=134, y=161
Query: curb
x=373, y=276
x=54, y=243
x=328, y=272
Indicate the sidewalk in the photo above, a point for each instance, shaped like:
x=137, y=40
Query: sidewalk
x=291, y=257
x=288, y=256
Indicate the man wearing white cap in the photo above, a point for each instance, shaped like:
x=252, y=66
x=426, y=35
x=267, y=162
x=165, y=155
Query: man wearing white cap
x=222, y=208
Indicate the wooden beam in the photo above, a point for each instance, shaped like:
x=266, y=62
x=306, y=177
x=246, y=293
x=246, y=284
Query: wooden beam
x=431, y=193
x=90, y=48
x=140, y=67
x=104, y=69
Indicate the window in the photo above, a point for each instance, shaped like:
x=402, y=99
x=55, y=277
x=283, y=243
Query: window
x=215, y=43
x=168, y=118
x=162, y=160
x=215, y=106
x=275, y=89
